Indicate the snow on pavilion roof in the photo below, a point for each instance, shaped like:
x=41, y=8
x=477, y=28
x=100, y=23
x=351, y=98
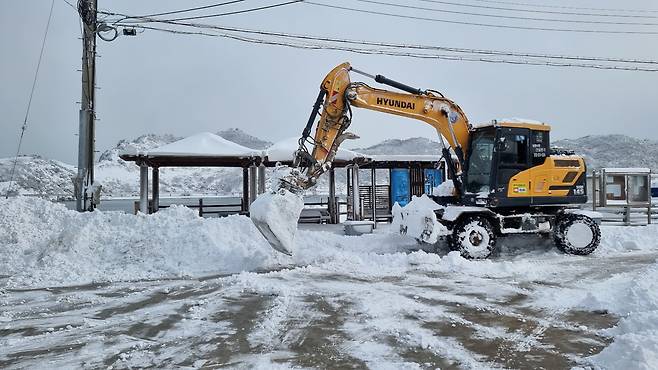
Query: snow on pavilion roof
x=204, y=144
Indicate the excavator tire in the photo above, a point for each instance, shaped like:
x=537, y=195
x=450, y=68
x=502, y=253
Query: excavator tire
x=576, y=234
x=473, y=237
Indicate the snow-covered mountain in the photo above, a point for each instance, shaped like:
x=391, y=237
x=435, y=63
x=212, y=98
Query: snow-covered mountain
x=44, y=177
x=35, y=175
x=598, y=150
x=141, y=144
x=614, y=151
x=414, y=145
x=240, y=137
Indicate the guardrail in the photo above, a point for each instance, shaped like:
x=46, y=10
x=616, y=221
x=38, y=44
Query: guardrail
x=626, y=215
x=220, y=210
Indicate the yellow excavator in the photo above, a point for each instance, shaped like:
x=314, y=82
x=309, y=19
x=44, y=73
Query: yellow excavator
x=505, y=177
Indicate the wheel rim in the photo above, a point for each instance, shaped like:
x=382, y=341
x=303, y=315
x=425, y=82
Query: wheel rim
x=475, y=238
x=579, y=235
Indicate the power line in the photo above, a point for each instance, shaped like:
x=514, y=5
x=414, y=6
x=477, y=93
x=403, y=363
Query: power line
x=401, y=53
x=404, y=46
x=193, y=9
x=210, y=15
x=404, y=6
x=490, y=25
x=537, y=11
x=240, y=11
x=568, y=7
x=29, y=102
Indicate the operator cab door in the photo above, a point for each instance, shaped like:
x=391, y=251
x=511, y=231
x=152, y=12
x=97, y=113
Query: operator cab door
x=513, y=159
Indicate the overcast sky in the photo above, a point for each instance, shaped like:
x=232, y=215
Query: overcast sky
x=163, y=83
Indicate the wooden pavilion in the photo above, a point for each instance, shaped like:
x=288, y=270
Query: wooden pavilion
x=209, y=150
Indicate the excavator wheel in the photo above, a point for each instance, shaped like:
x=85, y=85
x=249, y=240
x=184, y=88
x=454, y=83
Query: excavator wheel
x=576, y=234
x=473, y=237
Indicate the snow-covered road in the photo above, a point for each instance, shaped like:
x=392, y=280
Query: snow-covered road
x=341, y=302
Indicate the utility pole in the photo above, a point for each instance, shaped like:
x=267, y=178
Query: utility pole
x=84, y=181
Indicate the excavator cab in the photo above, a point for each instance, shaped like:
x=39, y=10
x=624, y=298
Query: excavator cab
x=509, y=165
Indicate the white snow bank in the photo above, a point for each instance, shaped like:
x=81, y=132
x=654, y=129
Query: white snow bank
x=621, y=239
x=417, y=219
x=445, y=189
x=44, y=244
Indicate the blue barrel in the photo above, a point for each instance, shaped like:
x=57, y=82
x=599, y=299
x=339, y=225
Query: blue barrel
x=400, y=189
x=654, y=192
x=433, y=178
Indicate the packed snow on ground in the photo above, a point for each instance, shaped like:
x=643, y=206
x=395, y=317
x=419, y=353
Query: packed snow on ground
x=633, y=296
x=394, y=288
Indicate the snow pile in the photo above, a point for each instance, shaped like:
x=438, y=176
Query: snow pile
x=620, y=239
x=44, y=244
x=445, y=189
x=417, y=219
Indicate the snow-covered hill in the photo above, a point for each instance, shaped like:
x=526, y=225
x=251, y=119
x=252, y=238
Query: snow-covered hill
x=614, y=151
x=599, y=150
x=35, y=175
x=240, y=137
x=414, y=145
x=141, y=144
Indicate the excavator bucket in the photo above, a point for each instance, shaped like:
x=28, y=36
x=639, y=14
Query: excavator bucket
x=275, y=214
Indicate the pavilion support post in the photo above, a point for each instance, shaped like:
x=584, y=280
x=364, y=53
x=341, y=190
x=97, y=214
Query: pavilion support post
x=333, y=212
x=261, y=179
x=245, y=189
x=390, y=192
x=143, y=188
x=253, y=173
x=156, y=189
x=356, y=200
x=373, y=200
x=348, y=173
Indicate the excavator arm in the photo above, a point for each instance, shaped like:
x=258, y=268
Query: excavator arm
x=338, y=94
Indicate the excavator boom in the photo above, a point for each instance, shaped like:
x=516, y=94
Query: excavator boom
x=338, y=93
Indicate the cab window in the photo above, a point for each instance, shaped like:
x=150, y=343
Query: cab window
x=513, y=149
x=479, y=164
